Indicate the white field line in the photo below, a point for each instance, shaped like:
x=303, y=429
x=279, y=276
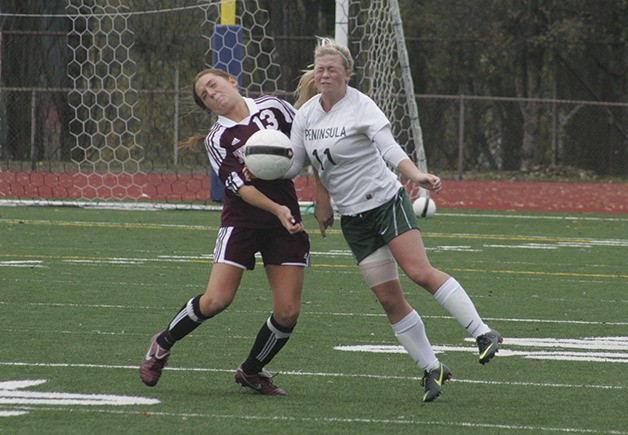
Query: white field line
x=313, y=313
x=22, y=263
x=134, y=206
x=20, y=410
x=150, y=206
x=610, y=218
x=423, y=421
x=141, y=262
x=316, y=313
x=555, y=355
x=335, y=231
x=496, y=319
x=587, y=349
x=7, y=413
x=314, y=374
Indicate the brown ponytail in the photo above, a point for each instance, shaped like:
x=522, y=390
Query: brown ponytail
x=190, y=143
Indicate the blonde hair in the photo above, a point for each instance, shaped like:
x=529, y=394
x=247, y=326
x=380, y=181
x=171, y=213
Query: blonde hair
x=306, y=88
x=327, y=46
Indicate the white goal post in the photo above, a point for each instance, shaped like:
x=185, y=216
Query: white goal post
x=375, y=28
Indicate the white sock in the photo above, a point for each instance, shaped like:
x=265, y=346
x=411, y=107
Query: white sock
x=410, y=331
x=454, y=299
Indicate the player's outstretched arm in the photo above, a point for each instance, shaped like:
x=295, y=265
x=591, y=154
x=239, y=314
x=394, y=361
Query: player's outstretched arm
x=256, y=198
x=426, y=181
x=323, y=211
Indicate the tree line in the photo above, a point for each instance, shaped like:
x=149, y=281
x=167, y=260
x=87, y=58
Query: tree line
x=528, y=49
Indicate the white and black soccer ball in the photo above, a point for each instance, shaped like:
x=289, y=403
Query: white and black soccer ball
x=424, y=207
x=268, y=154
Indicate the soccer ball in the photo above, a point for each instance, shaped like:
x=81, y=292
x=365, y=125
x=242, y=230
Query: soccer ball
x=424, y=207
x=268, y=154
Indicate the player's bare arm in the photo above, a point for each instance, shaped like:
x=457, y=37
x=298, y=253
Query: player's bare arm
x=323, y=211
x=426, y=181
x=256, y=198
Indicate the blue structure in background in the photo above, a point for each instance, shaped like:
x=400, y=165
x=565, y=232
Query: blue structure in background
x=228, y=50
x=228, y=53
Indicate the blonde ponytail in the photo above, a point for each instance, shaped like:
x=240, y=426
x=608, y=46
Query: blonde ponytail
x=306, y=88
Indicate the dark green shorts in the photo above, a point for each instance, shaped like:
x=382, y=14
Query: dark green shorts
x=369, y=231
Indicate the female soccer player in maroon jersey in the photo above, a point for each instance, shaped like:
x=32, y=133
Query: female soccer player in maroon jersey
x=257, y=216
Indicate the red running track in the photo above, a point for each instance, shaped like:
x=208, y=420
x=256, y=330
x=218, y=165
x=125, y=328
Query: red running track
x=479, y=195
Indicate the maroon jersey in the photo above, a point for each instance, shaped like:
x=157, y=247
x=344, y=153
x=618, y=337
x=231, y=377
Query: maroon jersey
x=224, y=145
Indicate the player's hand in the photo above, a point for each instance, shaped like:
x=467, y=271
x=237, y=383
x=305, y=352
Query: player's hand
x=295, y=227
x=431, y=182
x=324, y=214
x=248, y=175
x=289, y=222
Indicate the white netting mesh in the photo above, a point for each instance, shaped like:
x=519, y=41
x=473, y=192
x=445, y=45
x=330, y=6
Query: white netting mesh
x=383, y=71
x=111, y=149
x=260, y=71
x=110, y=126
x=107, y=150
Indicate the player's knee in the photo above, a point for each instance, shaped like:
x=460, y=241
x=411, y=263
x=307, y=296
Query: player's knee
x=212, y=305
x=379, y=267
x=425, y=277
x=418, y=277
x=388, y=302
x=289, y=322
x=287, y=316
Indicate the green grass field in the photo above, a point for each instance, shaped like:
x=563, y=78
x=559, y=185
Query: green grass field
x=83, y=290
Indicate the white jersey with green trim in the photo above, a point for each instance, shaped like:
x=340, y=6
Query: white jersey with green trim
x=339, y=144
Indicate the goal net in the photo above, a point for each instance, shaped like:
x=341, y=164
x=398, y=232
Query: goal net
x=383, y=72
x=125, y=102
x=116, y=152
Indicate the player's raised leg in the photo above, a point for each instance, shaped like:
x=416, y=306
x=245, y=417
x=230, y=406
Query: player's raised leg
x=220, y=292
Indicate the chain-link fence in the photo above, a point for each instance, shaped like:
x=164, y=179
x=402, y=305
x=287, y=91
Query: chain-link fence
x=41, y=132
x=470, y=133
x=461, y=133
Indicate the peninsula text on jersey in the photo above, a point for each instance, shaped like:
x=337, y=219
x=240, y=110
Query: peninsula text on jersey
x=324, y=133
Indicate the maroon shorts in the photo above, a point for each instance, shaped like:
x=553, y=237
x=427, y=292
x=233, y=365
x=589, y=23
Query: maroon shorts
x=238, y=246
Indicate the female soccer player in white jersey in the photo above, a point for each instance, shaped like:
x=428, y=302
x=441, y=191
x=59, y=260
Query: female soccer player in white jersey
x=257, y=216
x=348, y=140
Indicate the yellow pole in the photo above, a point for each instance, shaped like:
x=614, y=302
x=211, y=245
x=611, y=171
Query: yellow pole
x=227, y=12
